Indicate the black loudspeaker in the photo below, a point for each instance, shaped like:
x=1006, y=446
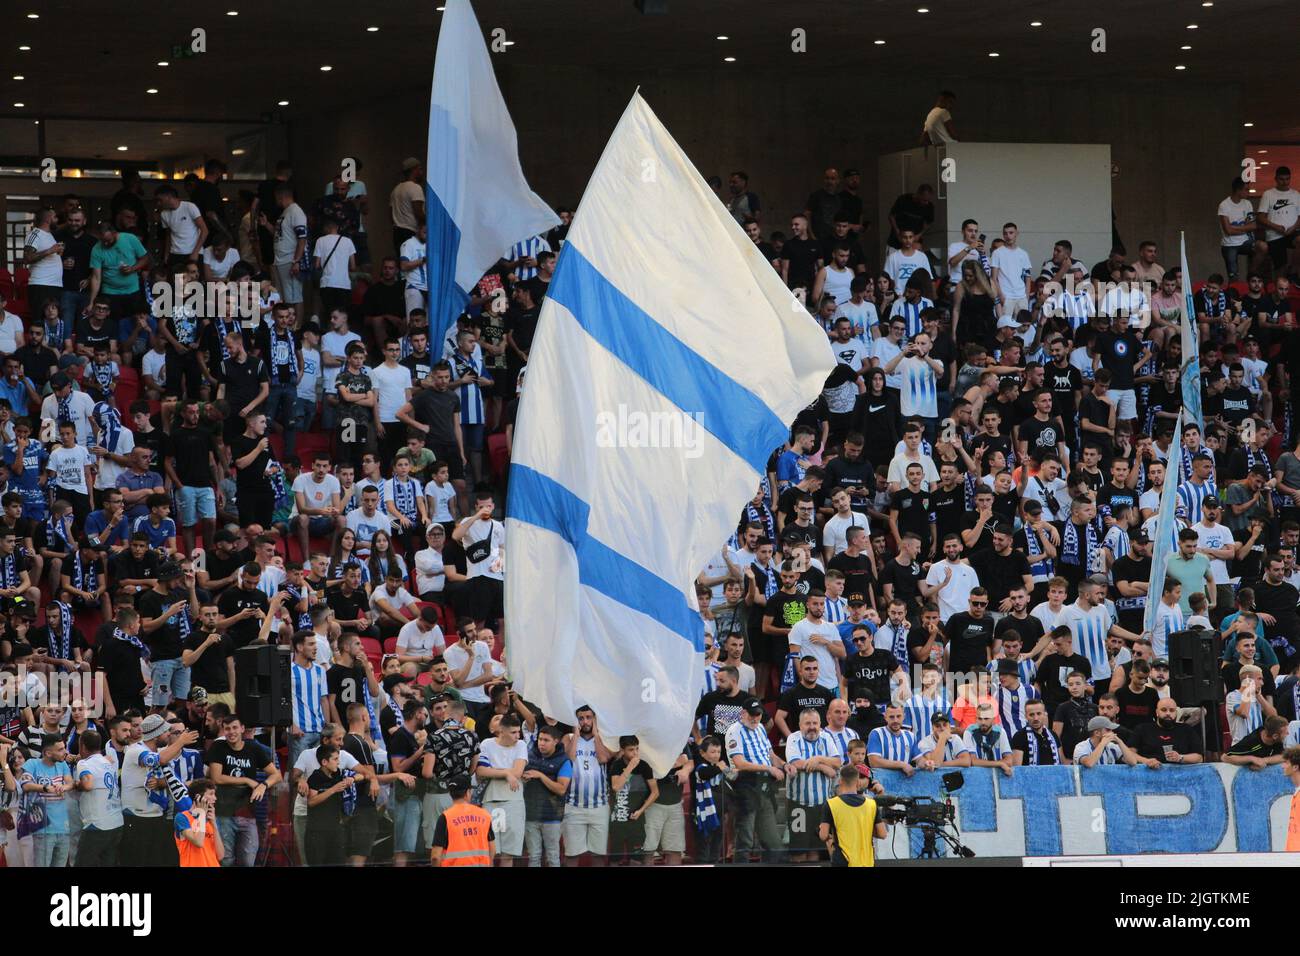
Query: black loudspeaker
x=263, y=686
x=1194, y=667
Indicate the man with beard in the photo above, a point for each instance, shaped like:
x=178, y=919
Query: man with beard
x=1165, y=739
x=869, y=668
x=722, y=706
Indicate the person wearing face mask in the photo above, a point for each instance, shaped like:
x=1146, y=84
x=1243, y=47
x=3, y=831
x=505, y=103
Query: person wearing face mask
x=1165, y=739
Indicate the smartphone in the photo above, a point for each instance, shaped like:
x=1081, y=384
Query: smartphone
x=982, y=237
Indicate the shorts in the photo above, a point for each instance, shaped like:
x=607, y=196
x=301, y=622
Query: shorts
x=415, y=299
x=473, y=436
x=804, y=824
x=1125, y=403
x=290, y=285
x=362, y=828
x=194, y=503
x=406, y=824
x=665, y=828
x=626, y=837
x=1012, y=306
x=318, y=526
x=451, y=455
x=486, y=598
x=171, y=680
x=1277, y=251
x=509, y=825
x=586, y=830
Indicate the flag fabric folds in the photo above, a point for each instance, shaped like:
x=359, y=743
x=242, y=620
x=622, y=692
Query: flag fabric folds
x=1190, y=374
x=1162, y=543
x=477, y=202
x=668, y=362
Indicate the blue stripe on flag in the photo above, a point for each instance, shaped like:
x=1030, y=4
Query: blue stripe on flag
x=447, y=300
x=539, y=500
x=742, y=422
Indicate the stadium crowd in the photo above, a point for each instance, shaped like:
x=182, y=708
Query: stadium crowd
x=225, y=426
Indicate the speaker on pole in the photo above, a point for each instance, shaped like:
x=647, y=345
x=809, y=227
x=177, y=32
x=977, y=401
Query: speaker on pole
x=1194, y=667
x=263, y=686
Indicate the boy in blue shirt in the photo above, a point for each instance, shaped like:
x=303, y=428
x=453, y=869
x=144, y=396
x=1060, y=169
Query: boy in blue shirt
x=160, y=528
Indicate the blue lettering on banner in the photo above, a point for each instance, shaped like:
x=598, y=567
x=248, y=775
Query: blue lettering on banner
x=1047, y=798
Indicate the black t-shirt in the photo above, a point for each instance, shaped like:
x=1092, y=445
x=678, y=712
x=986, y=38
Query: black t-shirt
x=36, y=361
x=634, y=792
x=165, y=640
x=949, y=509
x=1252, y=745
x=1136, y=708
x=1237, y=405
x=858, y=478
x=154, y=440
x=799, y=698
x=1053, y=670
x=365, y=755
x=120, y=662
x=1030, y=630
x=347, y=608
x=384, y=299
x=968, y=638
x=1119, y=351
x=913, y=509
x=189, y=448
x=419, y=366
x=1110, y=496
x=903, y=578
x=985, y=541
x=236, y=599
x=1130, y=611
x=1021, y=742
x=243, y=380
x=246, y=762
x=437, y=410
x=999, y=573
x=347, y=686
x=328, y=814
x=77, y=248
x=252, y=476
x=1063, y=383
x=209, y=671
x=870, y=672
x=1097, y=412
x=126, y=567
x=786, y=610
x=1040, y=437
x=721, y=710
x=88, y=335
x=857, y=573
x=219, y=567
x=1073, y=715
x=1153, y=740
x=802, y=255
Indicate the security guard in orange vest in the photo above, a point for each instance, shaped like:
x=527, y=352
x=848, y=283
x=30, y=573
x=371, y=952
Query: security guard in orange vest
x=850, y=824
x=1291, y=767
x=463, y=835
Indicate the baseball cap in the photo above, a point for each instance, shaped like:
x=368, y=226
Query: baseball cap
x=458, y=785
x=410, y=163
x=198, y=695
x=1008, y=667
x=1008, y=322
x=1141, y=538
x=856, y=598
x=1101, y=723
x=69, y=360
x=1160, y=662
x=1211, y=501
x=754, y=708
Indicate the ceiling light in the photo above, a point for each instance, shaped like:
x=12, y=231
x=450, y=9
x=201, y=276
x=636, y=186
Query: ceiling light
x=232, y=13
x=1263, y=162
x=121, y=149
x=238, y=152
x=372, y=29
x=1185, y=46
x=283, y=103
x=1191, y=26
x=1261, y=152
x=995, y=54
x=723, y=37
x=1180, y=67
x=880, y=43
x=33, y=16
x=151, y=90
x=326, y=68
x=1036, y=23
x=922, y=9
x=163, y=63
x=1247, y=124
x=729, y=59
x=20, y=105
x=23, y=49
x=1208, y=3
x=167, y=132
x=1252, y=191
x=19, y=76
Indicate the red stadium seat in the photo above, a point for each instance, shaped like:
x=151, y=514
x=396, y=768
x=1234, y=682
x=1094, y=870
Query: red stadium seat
x=390, y=645
x=374, y=650
x=498, y=457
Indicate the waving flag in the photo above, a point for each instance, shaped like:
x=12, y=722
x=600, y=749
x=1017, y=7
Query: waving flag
x=668, y=362
x=1163, y=543
x=1190, y=375
x=477, y=202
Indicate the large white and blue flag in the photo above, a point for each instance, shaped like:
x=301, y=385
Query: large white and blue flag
x=1164, y=543
x=1190, y=373
x=669, y=361
x=477, y=202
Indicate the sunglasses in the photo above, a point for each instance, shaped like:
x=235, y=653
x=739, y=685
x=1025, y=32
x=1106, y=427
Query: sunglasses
x=979, y=603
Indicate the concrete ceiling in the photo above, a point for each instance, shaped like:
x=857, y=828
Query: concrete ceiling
x=89, y=65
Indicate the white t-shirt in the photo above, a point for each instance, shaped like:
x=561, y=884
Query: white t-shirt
x=1237, y=214
x=898, y=470
x=1217, y=537
x=429, y=574
x=182, y=224
x=11, y=332
x=1013, y=268
x=398, y=601
x=492, y=754
x=412, y=640
x=899, y=266
x=835, y=534
x=1280, y=208
x=935, y=126
x=291, y=227
x=392, y=386
x=311, y=369
x=154, y=363
x=1110, y=754
x=484, y=540
x=68, y=467
x=883, y=351
x=401, y=204
x=220, y=268
x=955, y=596
x=852, y=353
x=49, y=271
x=956, y=248
x=1050, y=619
x=318, y=495
x=101, y=805
x=336, y=343
x=412, y=250
x=440, y=499
x=337, y=250
x=365, y=527
x=107, y=470
x=828, y=672
x=456, y=656
x=1090, y=629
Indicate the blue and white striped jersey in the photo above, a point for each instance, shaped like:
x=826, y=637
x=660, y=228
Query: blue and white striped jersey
x=1011, y=707
x=891, y=746
x=837, y=610
x=1028, y=669
x=919, y=709
x=842, y=739
x=809, y=788
x=954, y=748
x=470, y=394
x=590, y=785
x=1090, y=629
x=1192, y=497
x=750, y=743
x=309, y=687
x=528, y=248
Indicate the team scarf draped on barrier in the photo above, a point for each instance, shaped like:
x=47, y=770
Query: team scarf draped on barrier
x=638, y=329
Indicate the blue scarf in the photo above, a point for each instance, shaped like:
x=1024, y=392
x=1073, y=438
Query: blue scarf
x=404, y=493
x=289, y=356
x=350, y=794
x=1070, y=553
x=1039, y=566
x=61, y=642
x=185, y=624
x=109, y=420
x=763, y=515
x=1252, y=459
x=58, y=531
x=304, y=619
x=101, y=375
x=1032, y=738
x=900, y=643
x=64, y=413
x=121, y=635
x=85, y=576
x=220, y=324
x=706, y=810
x=275, y=477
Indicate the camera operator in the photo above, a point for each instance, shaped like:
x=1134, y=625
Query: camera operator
x=850, y=823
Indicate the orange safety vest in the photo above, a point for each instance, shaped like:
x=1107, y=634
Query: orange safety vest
x=467, y=836
x=1293, y=824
